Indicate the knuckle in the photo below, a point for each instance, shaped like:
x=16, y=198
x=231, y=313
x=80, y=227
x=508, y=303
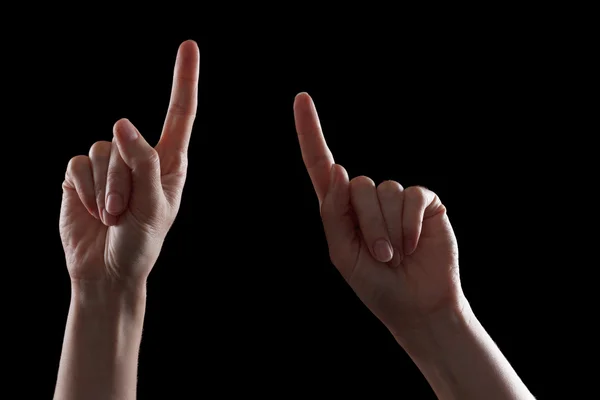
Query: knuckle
x=424, y=197
x=182, y=109
x=362, y=182
x=77, y=164
x=153, y=158
x=150, y=160
x=180, y=164
x=417, y=193
x=317, y=160
x=117, y=124
x=100, y=149
x=389, y=188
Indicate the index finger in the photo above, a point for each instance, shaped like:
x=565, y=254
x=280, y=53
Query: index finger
x=177, y=129
x=315, y=153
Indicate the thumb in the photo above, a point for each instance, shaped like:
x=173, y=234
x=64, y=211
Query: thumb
x=144, y=162
x=339, y=222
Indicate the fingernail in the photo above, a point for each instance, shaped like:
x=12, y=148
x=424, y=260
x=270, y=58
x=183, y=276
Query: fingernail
x=109, y=219
x=396, y=258
x=127, y=131
x=114, y=204
x=383, y=250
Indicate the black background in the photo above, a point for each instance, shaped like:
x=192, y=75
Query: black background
x=243, y=298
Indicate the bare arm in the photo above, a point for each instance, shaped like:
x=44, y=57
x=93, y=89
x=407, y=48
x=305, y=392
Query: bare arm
x=119, y=203
x=397, y=250
x=101, y=343
x=460, y=360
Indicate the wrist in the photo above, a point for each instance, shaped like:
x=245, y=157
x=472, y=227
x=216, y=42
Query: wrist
x=109, y=296
x=453, y=320
x=459, y=359
x=102, y=340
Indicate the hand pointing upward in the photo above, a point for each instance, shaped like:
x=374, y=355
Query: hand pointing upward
x=120, y=201
x=394, y=246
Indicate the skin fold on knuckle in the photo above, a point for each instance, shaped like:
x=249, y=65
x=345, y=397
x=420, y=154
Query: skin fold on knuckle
x=181, y=108
x=148, y=161
x=178, y=165
x=429, y=201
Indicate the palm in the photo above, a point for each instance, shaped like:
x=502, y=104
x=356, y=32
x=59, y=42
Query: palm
x=95, y=251
x=83, y=236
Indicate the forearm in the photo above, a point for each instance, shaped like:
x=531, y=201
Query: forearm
x=101, y=343
x=460, y=360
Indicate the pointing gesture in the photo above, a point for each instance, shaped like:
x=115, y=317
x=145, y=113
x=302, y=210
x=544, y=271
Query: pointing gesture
x=118, y=204
x=120, y=201
x=394, y=246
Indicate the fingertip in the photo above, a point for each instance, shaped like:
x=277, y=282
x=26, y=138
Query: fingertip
x=94, y=213
x=302, y=98
x=189, y=50
x=118, y=125
x=188, y=61
x=124, y=131
x=189, y=43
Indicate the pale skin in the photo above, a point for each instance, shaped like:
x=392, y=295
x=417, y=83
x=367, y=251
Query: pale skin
x=394, y=246
x=118, y=204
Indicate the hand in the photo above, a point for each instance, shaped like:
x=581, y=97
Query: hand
x=394, y=246
x=119, y=203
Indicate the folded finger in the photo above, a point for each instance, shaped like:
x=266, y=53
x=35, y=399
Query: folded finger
x=391, y=199
x=118, y=185
x=419, y=203
x=79, y=177
x=364, y=199
x=99, y=156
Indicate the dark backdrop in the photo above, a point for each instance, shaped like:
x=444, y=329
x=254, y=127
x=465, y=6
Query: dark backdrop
x=243, y=297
